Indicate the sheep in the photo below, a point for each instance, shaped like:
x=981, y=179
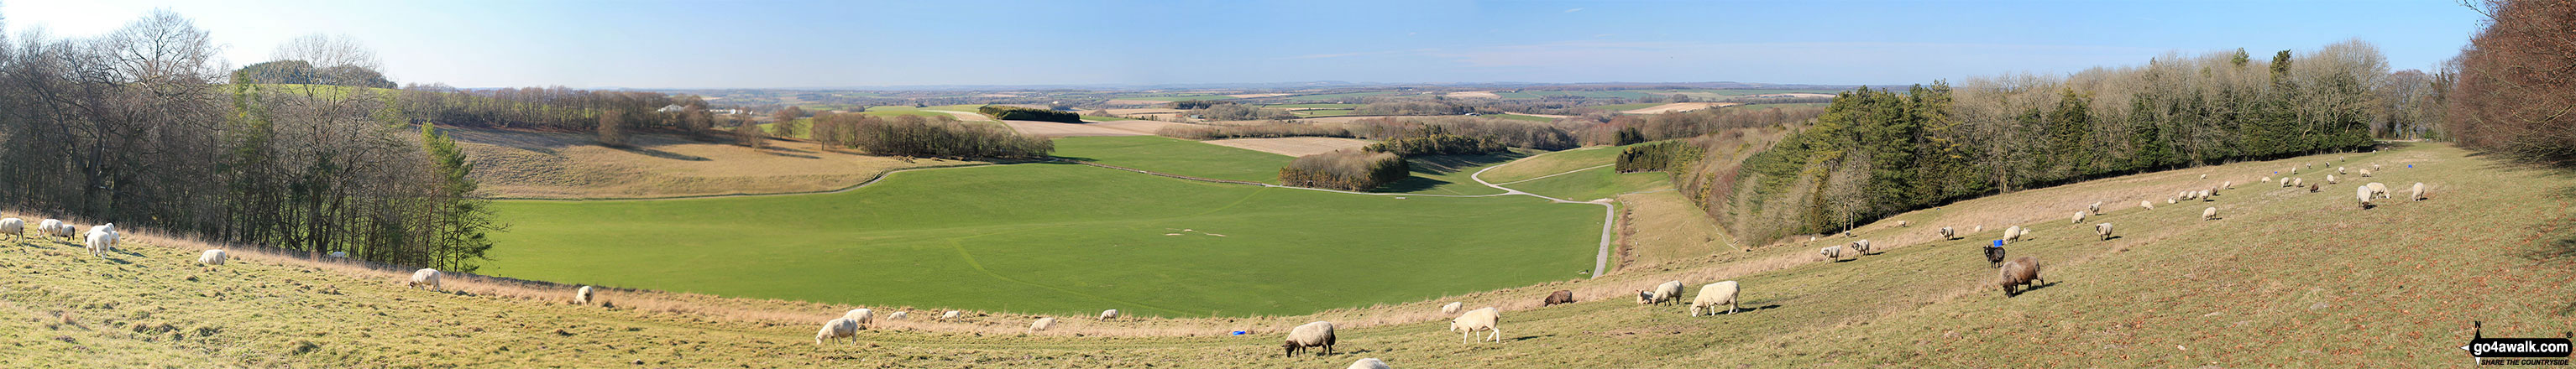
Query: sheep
x=52, y=228
x=2363, y=195
x=2330, y=179
x=1979, y=229
x=2012, y=234
x=109, y=228
x=2418, y=192
x=2209, y=214
x=1862, y=246
x=1714, y=294
x=861, y=316
x=2365, y=172
x=2170, y=200
x=425, y=277
x=2299, y=182
x=899, y=315
x=950, y=315
x=2267, y=179
x=2204, y=176
x=1111, y=314
x=1903, y=224
x=2339, y=170
x=1949, y=234
x=2079, y=218
x=2285, y=182
x=1847, y=234
x=1558, y=297
x=2313, y=188
x=1994, y=256
x=581, y=296
x=1452, y=308
x=1668, y=292
x=100, y=240
x=838, y=328
x=1042, y=324
x=2021, y=272
x=1486, y=319
x=211, y=257
x=2378, y=190
x=13, y=226
x=1317, y=334
x=1832, y=252
x=2226, y=184
x=2096, y=208
x=2103, y=229
x=2149, y=205
x=1369, y=363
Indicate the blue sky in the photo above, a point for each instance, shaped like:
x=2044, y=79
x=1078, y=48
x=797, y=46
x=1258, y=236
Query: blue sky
x=786, y=44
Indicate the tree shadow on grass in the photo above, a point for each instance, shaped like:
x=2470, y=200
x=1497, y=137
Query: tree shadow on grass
x=1426, y=167
x=2558, y=236
x=647, y=151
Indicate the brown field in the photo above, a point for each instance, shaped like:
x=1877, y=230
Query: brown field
x=1800, y=94
x=1474, y=95
x=1109, y=128
x=1674, y=107
x=1543, y=115
x=1137, y=102
x=1293, y=146
x=1255, y=96
x=1664, y=227
x=525, y=164
x=1127, y=111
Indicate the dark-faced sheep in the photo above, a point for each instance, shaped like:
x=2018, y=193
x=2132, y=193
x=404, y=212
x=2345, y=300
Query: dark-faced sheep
x=1832, y=252
x=1317, y=334
x=1994, y=256
x=2022, y=272
x=1559, y=297
x=1949, y=234
x=2104, y=230
x=1861, y=246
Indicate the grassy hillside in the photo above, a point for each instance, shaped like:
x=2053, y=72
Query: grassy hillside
x=1592, y=184
x=2286, y=278
x=1553, y=163
x=1056, y=238
x=1175, y=156
x=526, y=164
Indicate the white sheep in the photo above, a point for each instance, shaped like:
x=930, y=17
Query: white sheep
x=2096, y=208
x=2012, y=234
x=1714, y=294
x=211, y=257
x=13, y=226
x=2339, y=170
x=1949, y=234
x=2267, y=179
x=899, y=315
x=2378, y=190
x=1452, y=308
x=52, y=228
x=1486, y=319
x=950, y=315
x=2330, y=179
x=582, y=296
x=2418, y=192
x=2299, y=182
x=2149, y=205
x=1831, y=252
x=1979, y=229
x=2103, y=229
x=862, y=316
x=838, y=328
x=1862, y=246
x=2079, y=218
x=1042, y=324
x=2365, y=172
x=100, y=240
x=2285, y=181
x=1670, y=291
x=1369, y=363
x=2226, y=184
x=1902, y=224
x=425, y=277
x=2204, y=176
x=2208, y=214
x=2362, y=194
x=1109, y=314
x=1316, y=334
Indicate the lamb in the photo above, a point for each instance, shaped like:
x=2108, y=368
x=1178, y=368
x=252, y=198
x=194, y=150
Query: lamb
x=1486, y=319
x=1862, y=246
x=2362, y=194
x=2149, y=205
x=951, y=315
x=582, y=296
x=2079, y=218
x=1949, y=234
x=1042, y=324
x=1714, y=294
x=101, y=239
x=899, y=315
x=211, y=257
x=2021, y=272
x=861, y=316
x=1994, y=256
x=1668, y=292
x=1832, y=252
x=2103, y=229
x=1111, y=314
x=13, y=226
x=2418, y=192
x=2209, y=214
x=1451, y=308
x=1558, y=297
x=838, y=328
x=1317, y=334
x=1369, y=363
x=2378, y=190
x=425, y=277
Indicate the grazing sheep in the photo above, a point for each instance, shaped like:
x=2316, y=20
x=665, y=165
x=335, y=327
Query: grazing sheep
x=1994, y=256
x=899, y=315
x=582, y=296
x=2339, y=170
x=1714, y=294
x=2362, y=194
x=2204, y=176
x=1317, y=334
x=838, y=328
x=2330, y=179
x=1861, y=246
x=863, y=316
x=423, y=278
x=2104, y=230
x=2299, y=182
x=1667, y=292
x=2226, y=184
x=2365, y=172
x=13, y=226
x=1832, y=252
x=1978, y=229
x=50, y=228
x=1451, y=308
x=2170, y=200
x=1847, y=234
x=2267, y=179
x=2149, y=205
x=2285, y=182
x=1111, y=314
x=2418, y=192
x=1902, y=224
x=2012, y=234
x=2021, y=272
x=1949, y=234
x=2208, y=214
x=951, y=314
x=1486, y=319
x=1369, y=363
x=211, y=257
x=2377, y=190
x=100, y=240
x=1558, y=297
x=1042, y=324
x=2079, y=218
x=2096, y=208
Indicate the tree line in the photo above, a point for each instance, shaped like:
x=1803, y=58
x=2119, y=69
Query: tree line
x=939, y=137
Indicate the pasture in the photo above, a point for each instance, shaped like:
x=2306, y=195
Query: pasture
x=1175, y=156
x=1057, y=239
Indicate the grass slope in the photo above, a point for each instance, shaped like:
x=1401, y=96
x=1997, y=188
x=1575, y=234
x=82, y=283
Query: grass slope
x=1055, y=238
x=1555, y=162
x=1175, y=156
x=1449, y=174
x=1592, y=184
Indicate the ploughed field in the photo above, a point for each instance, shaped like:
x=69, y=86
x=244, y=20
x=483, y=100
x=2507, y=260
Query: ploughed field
x=1055, y=239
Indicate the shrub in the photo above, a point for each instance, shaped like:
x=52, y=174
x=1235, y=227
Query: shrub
x=1003, y=112
x=1348, y=170
x=1197, y=104
x=1658, y=156
x=942, y=137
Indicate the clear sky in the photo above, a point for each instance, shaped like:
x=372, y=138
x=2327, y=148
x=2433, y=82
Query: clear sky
x=787, y=44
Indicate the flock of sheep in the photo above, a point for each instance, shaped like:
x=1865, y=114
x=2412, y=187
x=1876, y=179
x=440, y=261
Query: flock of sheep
x=100, y=239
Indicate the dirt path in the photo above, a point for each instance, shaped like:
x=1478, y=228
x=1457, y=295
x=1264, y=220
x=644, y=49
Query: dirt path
x=1609, y=212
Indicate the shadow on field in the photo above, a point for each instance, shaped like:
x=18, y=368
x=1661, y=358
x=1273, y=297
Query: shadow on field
x=647, y=151
x=2558, y=245
x=1425, y=167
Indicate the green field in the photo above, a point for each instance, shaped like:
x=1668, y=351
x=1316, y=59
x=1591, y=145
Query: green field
x=1624, y=107
x=1521, y=117
x=1595, y=183
x=1312, y=106
x=1175, y=98
x=1055, y=238
x=1175, y=156
x=1348, y=96
x=1448, y=174
x=1555, y=162
x=1321, y=113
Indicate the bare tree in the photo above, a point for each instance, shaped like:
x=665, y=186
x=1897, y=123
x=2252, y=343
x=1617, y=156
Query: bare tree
x=326, y=51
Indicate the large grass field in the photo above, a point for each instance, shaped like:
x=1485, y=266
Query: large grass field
x=1175, y=156
x=1347, y=96
x=1055, y=238
x=1175, y=98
